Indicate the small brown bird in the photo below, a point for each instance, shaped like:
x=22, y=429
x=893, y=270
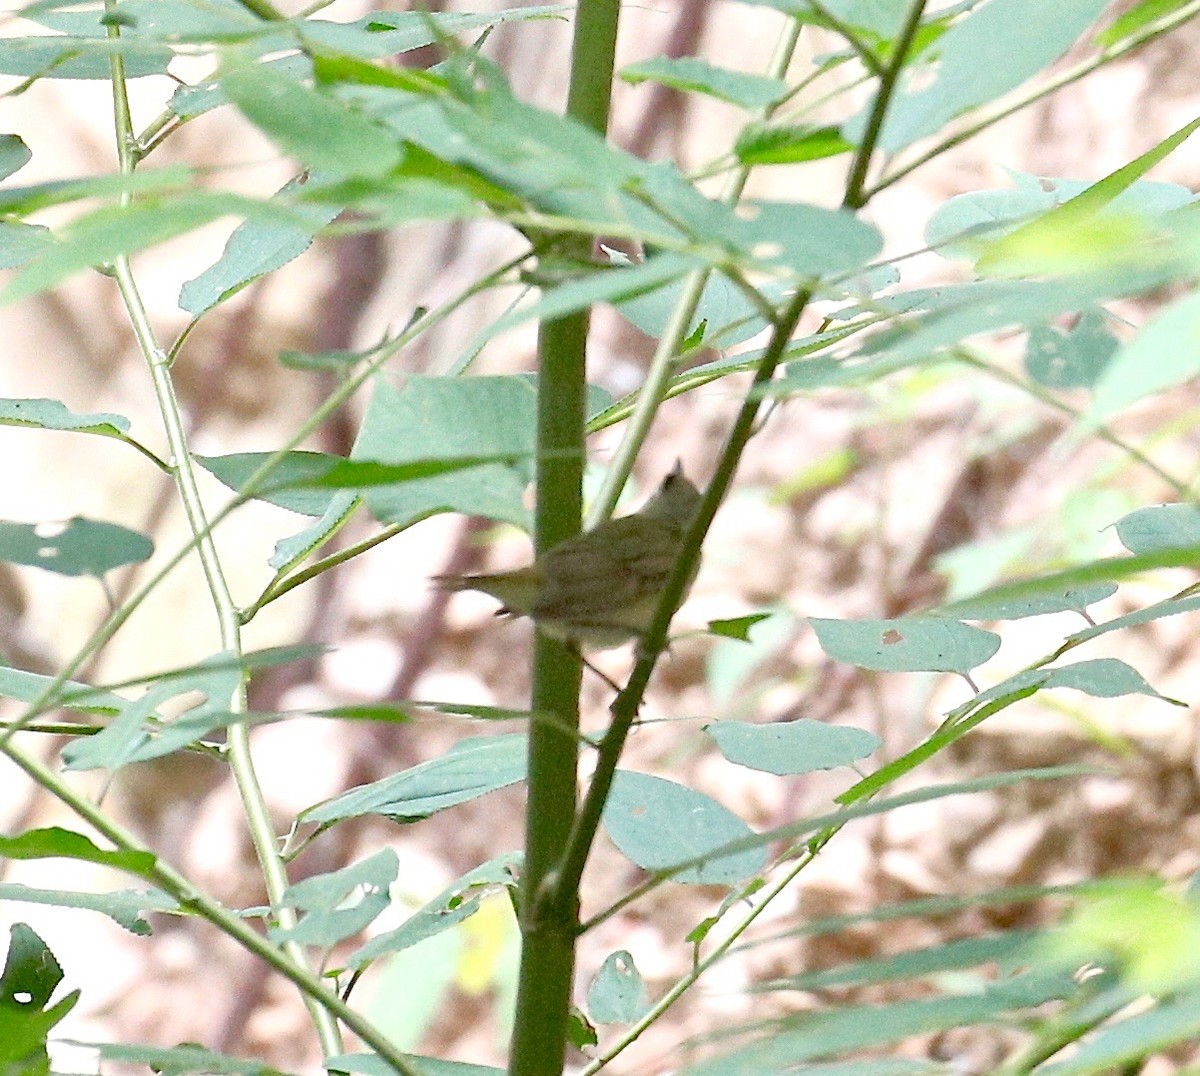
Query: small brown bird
x=599, y=589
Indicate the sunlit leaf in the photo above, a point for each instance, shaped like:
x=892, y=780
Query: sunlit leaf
x=31, y=975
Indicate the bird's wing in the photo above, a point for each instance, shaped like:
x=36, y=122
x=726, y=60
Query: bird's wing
x=607, y=575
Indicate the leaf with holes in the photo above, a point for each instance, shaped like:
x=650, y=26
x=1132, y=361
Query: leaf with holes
x=77, y=547
x=617, y=994
x=30, y=977
x=907, y=644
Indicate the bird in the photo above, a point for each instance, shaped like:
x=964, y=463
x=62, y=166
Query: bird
x=599, y=589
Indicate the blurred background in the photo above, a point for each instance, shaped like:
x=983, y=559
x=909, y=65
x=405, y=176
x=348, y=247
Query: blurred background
x=850, y=503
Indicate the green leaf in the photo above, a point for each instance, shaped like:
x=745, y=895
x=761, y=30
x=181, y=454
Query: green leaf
x=341, y=903
x=1160, y=527
x=126, y=907
x=963, y=225
x=457, y=902
x=732, y=662
x=77, y=547
x=387, y=33
x=1070, y=360
x=787, y=747
x=112, y=231
x=907, y=644
x=14, y=155
x=1006, y=949
x=189, y=101
x=370, y=1065
x=724, y=315
x=1103, y=678
x=616, y=286
x=990, y=51
x=814, y=1035
x=737, y=627
x=136, y=735
x=27, y=686
x=292, y=550
x=31, y=975
x=943, y=317
x=617, y=994
x=1162, y=355
x=255, y=248
x=472, y=768
x=581, y=1032
x=808, y=240
x=452, y=417
x=789, y=144
x=29, y=199
x=172, y=21
x=19, y=242
x=658, y=824
x=1172, y=1022
x=1152, y=932
x=1140, y=14
x=55, y=842
x=403, y=711
x=315, y=127
x=305, y=482
x=76, y=57
x=693, y=75
x=1076, y=601
x=53, y=415
x=181, y=1060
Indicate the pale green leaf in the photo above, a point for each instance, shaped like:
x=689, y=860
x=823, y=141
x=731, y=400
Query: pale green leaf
x=52, y=415
x=472, y=768
x=788, y=747
x=1073, y=359
x=318, y=129
x=907, y=644
x=990, y=51
x=14, y=154
x=693, y=75
x=658, y=824
x=341, y=903
x=1160, y=527
x=77, y=547
x=1164, y=353
x=457, y=902
x=617, y=994
x=125, y=907
x=255, y=248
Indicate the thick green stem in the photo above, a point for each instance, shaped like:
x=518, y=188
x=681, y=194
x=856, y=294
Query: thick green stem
x=548, y=940
x=564, y=887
